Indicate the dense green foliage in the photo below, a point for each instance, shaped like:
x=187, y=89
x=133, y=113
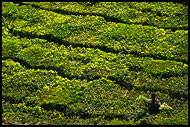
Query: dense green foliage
x=83, y=63
x=160, y=14
x=95, y=32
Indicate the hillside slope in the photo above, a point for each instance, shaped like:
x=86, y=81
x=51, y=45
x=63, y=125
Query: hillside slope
x=66, y=63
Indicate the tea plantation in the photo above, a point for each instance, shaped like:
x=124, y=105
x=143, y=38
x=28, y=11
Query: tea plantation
x=88, y=63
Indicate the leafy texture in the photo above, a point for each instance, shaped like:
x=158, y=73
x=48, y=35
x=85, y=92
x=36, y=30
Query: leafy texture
x=94, y=63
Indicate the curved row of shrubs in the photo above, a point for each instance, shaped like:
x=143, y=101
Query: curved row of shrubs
x=167, y=15
x=49, y=91
x=94, y=31
x=42, y=92
x=90, y=64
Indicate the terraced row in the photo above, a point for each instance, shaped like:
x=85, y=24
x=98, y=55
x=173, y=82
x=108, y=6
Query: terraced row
x=167, y=15
x=88, y=63
x=95, y=32
x=42, y=95
x=72, y=97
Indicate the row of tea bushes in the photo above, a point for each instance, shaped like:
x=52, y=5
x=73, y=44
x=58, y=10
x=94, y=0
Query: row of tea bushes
x=95, y=32
x=43, y=93
x=43, y=89
x=89, y=63
x=82, y=63
x=147, y=41
x=20, y=114
x=12, y=45
x=175, y=86
x=160, y=14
